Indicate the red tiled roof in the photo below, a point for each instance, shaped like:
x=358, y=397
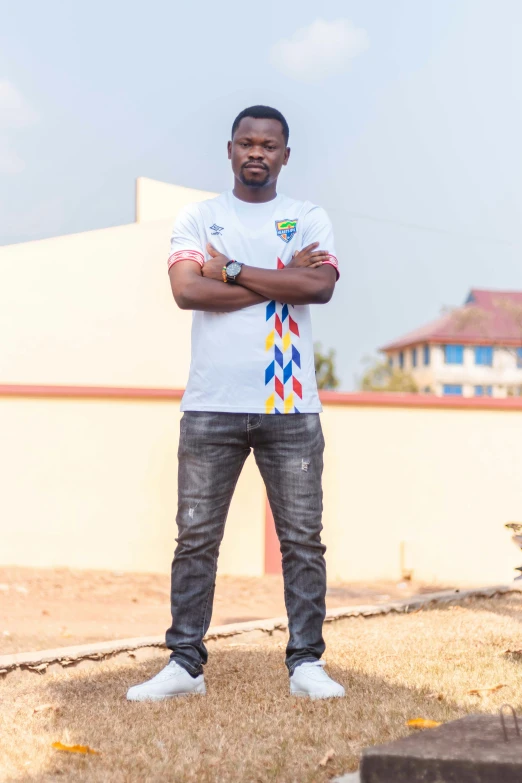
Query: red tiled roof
x=487, y=317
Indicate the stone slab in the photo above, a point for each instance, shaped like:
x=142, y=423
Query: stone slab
x=470, y=750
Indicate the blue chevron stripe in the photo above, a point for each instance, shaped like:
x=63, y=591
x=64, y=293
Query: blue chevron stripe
x=296, y=356
x=278, y=356
x=284, y=313
x=270, y=310
x=287, y=372
x=269, y=372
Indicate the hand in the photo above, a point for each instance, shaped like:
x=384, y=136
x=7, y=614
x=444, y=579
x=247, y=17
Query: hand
x=213, y=268
x=308, y=257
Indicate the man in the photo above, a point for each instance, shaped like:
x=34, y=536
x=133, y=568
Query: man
x=249, y=263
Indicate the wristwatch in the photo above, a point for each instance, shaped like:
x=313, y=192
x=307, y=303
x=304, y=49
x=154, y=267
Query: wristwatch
x=231, y=271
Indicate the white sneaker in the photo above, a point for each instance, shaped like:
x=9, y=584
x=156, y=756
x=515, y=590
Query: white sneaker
x=171, y=681
x=309, y=679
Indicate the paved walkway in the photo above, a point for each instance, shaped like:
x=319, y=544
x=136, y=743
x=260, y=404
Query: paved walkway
x=46, y=608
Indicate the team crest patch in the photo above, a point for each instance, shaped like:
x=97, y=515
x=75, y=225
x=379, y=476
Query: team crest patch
x=286, y=229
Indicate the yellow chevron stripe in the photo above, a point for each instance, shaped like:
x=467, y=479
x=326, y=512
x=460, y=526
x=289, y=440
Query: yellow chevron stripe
x=287, y=341
x=270, y=404
x=270, y=340
x=289, y=402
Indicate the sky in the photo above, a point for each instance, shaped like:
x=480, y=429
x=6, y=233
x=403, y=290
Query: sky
x=405, y=124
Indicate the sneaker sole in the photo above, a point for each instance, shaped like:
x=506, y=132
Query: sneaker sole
x=200, y=690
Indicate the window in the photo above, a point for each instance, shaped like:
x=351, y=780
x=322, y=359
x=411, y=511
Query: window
x=401, y=360
x=426, y=355
x=413, y=357
x=483, y=391
x=454, y=354
x=427, y=390
x=452, y=389
x=519, y=357
x=390, y=361
x=484, y=355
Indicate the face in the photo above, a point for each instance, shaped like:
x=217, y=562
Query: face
x=258, y=151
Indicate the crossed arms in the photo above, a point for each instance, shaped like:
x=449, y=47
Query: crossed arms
x=305, y=280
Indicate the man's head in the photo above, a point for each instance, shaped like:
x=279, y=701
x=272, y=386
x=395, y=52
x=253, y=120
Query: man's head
x=259, y=146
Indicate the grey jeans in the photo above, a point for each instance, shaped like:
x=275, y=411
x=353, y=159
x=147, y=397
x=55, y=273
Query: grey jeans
x=288, y=450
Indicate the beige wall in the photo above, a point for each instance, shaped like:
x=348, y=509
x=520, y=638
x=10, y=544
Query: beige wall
x=159, y=200
x=443, y=481
x=93, y=308
x=92, y=483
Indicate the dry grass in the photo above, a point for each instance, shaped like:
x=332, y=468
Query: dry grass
x=247, y=729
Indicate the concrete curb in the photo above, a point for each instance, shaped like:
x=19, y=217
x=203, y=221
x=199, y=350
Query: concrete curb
x=42, y=661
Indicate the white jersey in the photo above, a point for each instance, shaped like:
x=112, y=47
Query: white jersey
x=259, y=359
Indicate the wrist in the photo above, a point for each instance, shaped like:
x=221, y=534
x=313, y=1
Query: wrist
x=231, y=271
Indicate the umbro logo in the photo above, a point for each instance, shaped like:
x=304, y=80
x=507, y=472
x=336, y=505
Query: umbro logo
x=216, y=230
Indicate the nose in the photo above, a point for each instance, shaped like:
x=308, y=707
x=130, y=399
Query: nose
x=257, y=153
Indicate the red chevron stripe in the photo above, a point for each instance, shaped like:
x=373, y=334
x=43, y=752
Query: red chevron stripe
x=280, y=264
x=298, y=389
x=279, y=388
x=293, y=326
x=278, y=326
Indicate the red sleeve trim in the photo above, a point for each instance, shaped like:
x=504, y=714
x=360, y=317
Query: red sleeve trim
x=185, y=255
x=332, y=261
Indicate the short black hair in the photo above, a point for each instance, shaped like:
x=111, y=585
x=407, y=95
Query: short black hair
x=262, y=113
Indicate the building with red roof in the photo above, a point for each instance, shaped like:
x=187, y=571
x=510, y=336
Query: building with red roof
x=473, y=350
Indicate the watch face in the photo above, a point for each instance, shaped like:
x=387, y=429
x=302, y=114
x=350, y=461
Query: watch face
x=233, y=269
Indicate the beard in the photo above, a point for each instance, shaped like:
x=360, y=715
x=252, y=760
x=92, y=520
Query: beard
x=253, y=182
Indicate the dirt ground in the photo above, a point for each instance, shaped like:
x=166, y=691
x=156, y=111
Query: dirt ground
x=58, y=607
x=438, y=664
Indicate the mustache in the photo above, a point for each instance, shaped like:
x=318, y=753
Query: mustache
x=251, y=164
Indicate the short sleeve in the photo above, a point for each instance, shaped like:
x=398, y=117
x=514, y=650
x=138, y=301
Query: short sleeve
x=185, y=242
x=318, y=228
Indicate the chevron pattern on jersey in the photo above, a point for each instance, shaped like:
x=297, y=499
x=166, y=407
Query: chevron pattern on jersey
x=283, y=371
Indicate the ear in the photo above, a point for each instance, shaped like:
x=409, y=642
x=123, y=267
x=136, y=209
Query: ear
x=229, y=148
x=287, y=155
